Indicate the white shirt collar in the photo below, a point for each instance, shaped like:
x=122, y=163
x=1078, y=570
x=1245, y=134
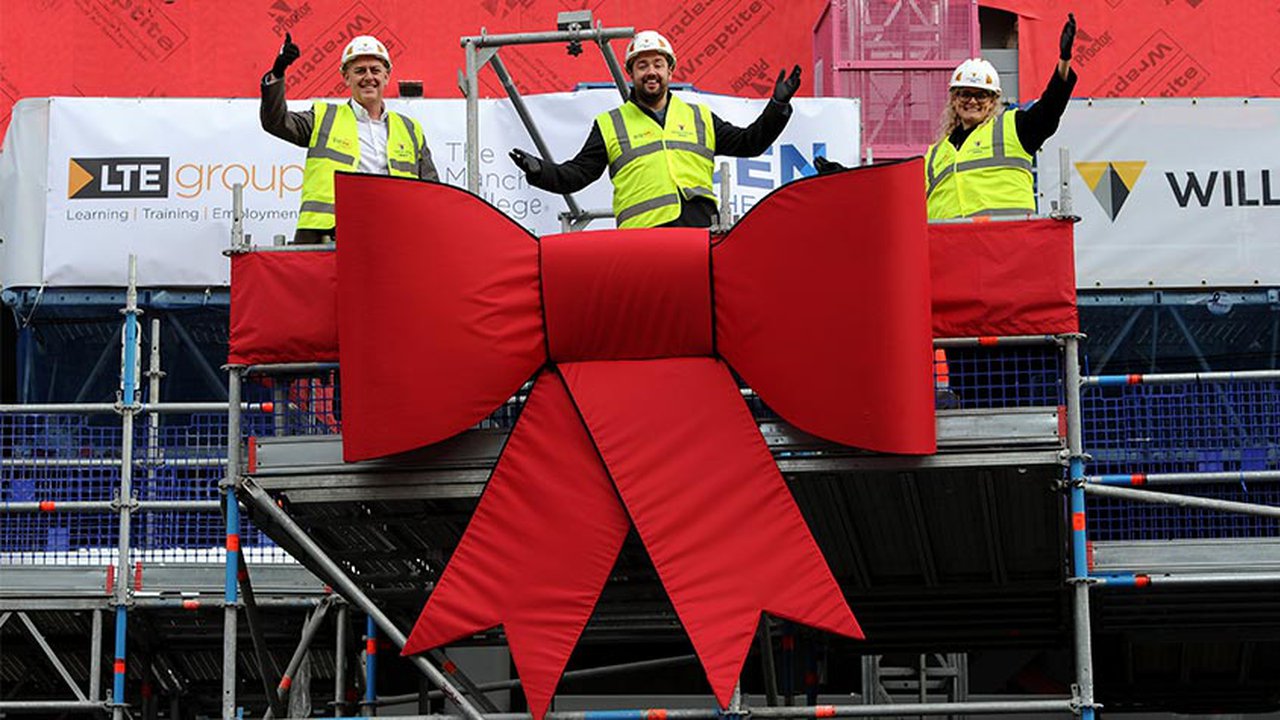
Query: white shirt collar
x=363, y=115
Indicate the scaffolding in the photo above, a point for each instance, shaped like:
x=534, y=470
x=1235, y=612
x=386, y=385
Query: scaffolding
x=573, y=29
x=1205, y=439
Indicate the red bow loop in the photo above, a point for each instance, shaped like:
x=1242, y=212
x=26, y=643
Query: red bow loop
x=439, y=326
x=822, y=306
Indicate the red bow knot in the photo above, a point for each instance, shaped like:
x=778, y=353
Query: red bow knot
x=819, y=299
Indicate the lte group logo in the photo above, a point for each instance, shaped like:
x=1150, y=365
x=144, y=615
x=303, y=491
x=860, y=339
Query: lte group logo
x=119, y=177
x=1111, y=182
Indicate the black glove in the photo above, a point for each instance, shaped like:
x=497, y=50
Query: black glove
x=1068, y=37
x=526, y=162
x=288, y=53
x=824, y=166
x=786, y=86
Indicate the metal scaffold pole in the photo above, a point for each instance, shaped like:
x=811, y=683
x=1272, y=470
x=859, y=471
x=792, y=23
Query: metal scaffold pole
x=309, y=630
x=95, y=656
x=370, y=667
x=340, y=661
x=232, y=513
x=128, y=406
x=471, y=91
x=1079, y=580
x=574, y=28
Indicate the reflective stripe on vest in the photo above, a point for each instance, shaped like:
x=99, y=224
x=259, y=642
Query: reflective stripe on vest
x=989, y=174
x=405, y=167
x=335, y=145
x=652, y=167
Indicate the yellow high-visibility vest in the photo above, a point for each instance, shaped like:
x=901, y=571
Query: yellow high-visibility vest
x=654, y=167
x=335, y=145
x=989, y=175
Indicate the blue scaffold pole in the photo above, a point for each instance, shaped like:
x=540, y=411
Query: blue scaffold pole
x=1080, y=580
x=128, y=405
x=370, y=666
x=118, y=667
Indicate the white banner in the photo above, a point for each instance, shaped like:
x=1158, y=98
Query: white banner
x=1172, y=192
x=153, y=177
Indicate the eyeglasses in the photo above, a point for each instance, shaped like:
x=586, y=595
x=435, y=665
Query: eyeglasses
x=972, y=94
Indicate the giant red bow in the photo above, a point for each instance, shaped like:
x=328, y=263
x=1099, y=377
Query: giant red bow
x=819, y=299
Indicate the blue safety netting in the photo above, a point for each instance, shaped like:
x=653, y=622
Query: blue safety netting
x=1191, y=427
x=58, y=458
x=999, y=377
x=1187, y=427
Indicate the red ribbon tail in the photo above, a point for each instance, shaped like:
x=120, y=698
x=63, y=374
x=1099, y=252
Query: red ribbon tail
x=538, y=549
x=714, y=513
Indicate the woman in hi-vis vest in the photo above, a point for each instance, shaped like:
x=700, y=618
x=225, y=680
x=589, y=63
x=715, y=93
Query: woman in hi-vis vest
x=981, y=163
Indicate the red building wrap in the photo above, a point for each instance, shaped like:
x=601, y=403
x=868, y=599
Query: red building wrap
x=1151, y=48
x=187, y=48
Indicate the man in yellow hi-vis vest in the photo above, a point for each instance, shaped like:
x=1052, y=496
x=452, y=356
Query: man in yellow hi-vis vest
x=660, y=150
x=360, y=135
x=981, y=162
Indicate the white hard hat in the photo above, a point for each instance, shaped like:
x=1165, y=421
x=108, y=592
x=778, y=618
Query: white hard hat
x=649, y=41
x=976, y=73
x=362, y=45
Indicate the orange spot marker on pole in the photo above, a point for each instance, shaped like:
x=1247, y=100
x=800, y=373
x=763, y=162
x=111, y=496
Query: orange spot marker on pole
x=988, y=341
x=1134, y=379
x=190, y=604
x=449, y=667
x=233, y=542
x=824, y=711
x=1077, y=521
x=46, y=506
x=1141, y=580
x=658, y=714
x=285, y=682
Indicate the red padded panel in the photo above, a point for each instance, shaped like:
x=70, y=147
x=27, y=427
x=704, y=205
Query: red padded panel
x=283, y=308
x=822, y=306
x=1003, y=278
x=440, y=317
x=709, y=503
x=538, y=549
x=627, y=294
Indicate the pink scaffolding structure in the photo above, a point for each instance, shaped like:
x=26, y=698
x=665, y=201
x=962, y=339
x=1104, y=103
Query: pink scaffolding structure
x=895, y=55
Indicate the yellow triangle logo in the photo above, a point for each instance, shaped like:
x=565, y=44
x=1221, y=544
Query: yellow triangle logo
x=1092, y=172
x=77, y=178
x=1129, y=171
